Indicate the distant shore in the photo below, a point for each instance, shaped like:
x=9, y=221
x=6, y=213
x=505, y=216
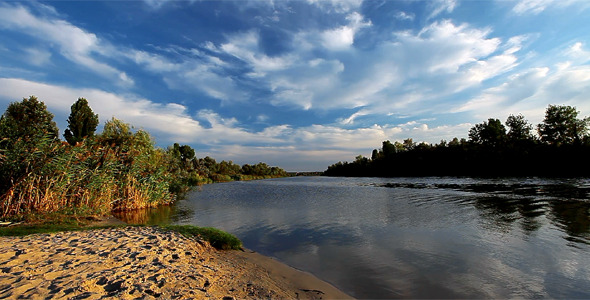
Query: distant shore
x=145, y=262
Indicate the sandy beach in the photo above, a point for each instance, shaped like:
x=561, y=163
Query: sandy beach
x=144, y=263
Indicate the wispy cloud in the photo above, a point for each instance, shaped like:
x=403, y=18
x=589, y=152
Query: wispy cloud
x=339, y=6
x=194, y=72
x=440, y=59
x=538, y=6
x=531, y=91
x=404, y=16
x=74, y=43
x=440, y=6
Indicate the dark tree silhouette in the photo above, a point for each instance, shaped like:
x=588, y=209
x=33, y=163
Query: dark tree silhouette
x=561, y=126
x=490, y=133
x=519, y=128
x=491, y=151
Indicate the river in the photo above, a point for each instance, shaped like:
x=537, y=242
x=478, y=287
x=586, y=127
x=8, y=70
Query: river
x=409, y=237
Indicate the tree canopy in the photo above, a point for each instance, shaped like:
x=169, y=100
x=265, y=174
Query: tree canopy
x=562, y=150
x=28, y=119
x=82, y=122
x=490, y=132
x=561, y=126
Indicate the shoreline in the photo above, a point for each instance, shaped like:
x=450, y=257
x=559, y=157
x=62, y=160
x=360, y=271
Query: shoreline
x=145, y=262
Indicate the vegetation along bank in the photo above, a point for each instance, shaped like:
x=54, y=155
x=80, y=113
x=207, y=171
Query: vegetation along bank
x=560, y=148
x=94, y=174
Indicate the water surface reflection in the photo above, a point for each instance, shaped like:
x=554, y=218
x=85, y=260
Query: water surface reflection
x=411, y=237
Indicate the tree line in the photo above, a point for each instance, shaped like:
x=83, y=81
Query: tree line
x=557, y=147
x=89, y=173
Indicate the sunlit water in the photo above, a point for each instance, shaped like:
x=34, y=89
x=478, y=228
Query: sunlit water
x=410, y=237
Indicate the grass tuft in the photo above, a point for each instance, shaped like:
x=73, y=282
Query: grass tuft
x=217, y=238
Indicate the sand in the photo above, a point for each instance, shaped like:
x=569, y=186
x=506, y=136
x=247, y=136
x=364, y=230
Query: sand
x=144, y=263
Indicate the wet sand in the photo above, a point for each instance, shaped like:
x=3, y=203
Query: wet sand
x=144, y=263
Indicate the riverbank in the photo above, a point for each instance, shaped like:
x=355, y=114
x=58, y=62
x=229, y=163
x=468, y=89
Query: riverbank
x=144, y=262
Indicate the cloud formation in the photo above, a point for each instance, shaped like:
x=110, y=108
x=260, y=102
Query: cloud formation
x=320, y=80
x=71, y=41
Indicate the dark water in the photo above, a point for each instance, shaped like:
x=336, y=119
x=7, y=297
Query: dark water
x=410, y=237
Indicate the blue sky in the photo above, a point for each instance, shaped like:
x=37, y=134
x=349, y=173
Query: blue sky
x=297, y=84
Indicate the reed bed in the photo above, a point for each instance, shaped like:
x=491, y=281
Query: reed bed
x=96, y=176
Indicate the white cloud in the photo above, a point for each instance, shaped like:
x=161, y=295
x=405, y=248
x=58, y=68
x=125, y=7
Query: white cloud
x=404, y=16
x=338, y=6
x=444, y=46
x=169, y=119
x=245, y=46
x=350, y=120
x=440, y=6
x=538, y=6
x=342, y=38
x=339, y=38
x=398, y=75
x=203, y=73
x=294, y=148
x=72, y=42
x=578, y=53
x=531, y=91
x=408, y=74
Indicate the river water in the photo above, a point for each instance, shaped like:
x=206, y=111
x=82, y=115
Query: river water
x=409, y=237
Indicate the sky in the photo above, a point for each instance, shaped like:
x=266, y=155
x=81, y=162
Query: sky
x=297, y=84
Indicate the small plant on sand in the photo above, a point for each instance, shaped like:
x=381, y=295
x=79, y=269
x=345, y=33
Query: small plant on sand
x=217, y=238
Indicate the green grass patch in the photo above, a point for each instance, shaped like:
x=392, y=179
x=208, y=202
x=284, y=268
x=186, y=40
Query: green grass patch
x=217, y=238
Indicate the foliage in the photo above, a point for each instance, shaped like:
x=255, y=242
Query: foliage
x=118, y=169
x=82, y=122
x=491, y=133
x=519, y=129
x=28, y=137
x=564, y=150
x=29, y=120
x=561, y=126
x=217, y=238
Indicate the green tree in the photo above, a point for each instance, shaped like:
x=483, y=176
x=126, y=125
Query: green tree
x=561, y=126
x=409, y=144
x=388, y=149
x=375, y=154
x=519, y=129
x=490, y=133
x=28, y=139
x=82, y=122
x=28, y=120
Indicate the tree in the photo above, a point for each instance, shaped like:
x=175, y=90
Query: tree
x=519, y=129
x=82, y=122
x=388, y=149
x=490, y=133
x=561, y=126
x=409, y=144
x=28, y=139
x=29, y=120
x=375, y=154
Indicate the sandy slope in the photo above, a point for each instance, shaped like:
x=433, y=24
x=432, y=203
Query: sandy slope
x=145, y=263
